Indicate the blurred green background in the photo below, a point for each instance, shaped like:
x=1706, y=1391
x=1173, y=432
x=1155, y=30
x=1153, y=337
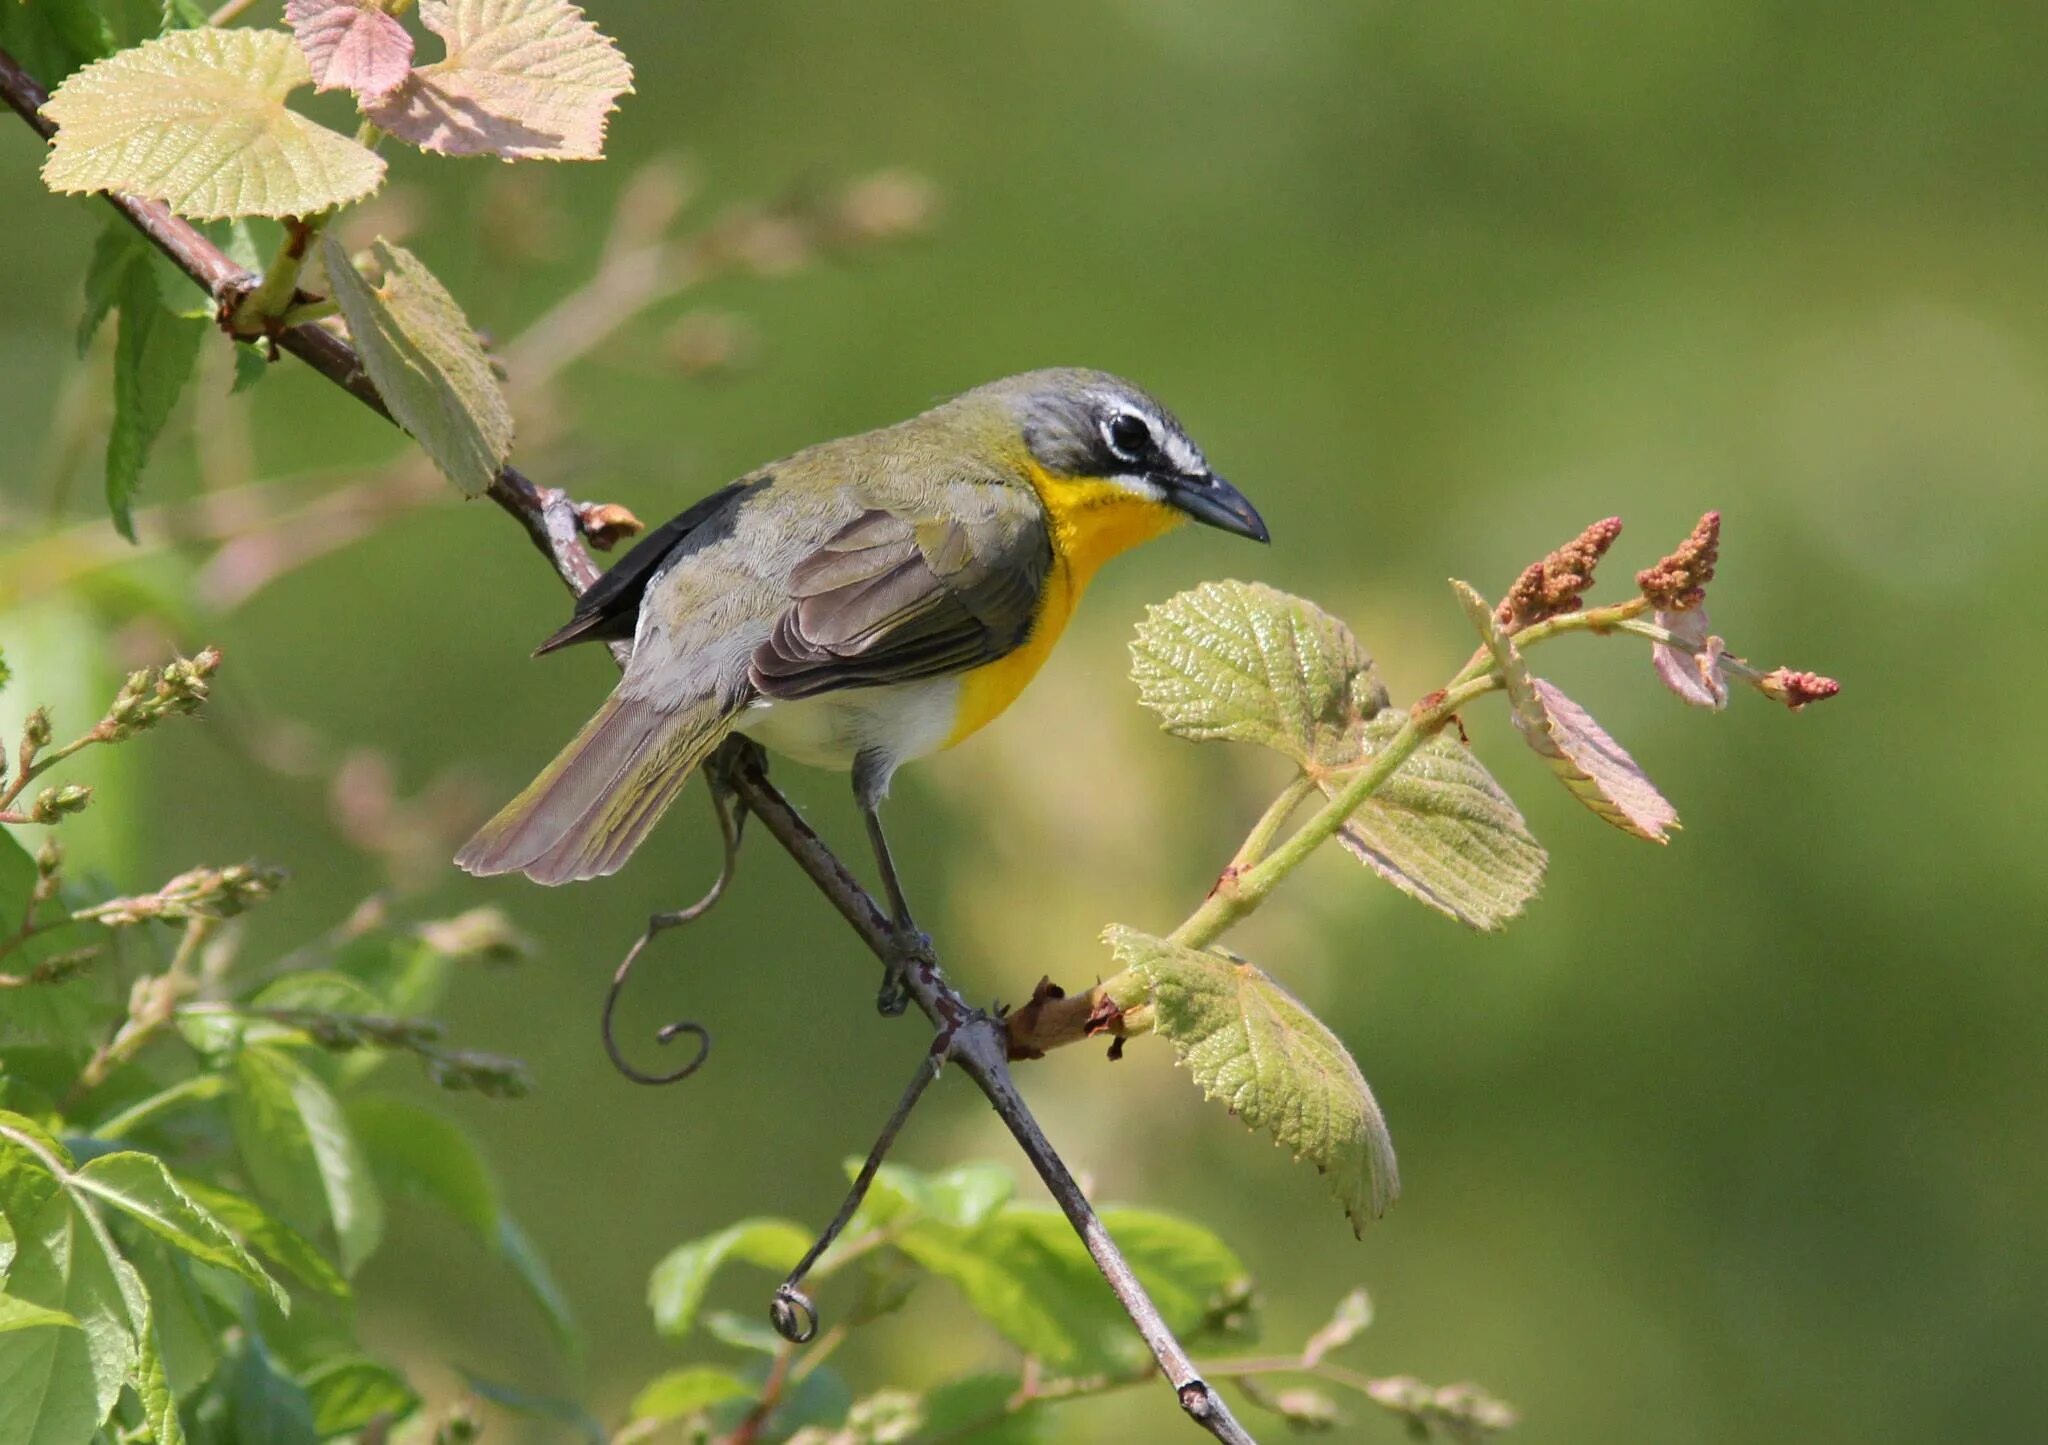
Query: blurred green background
x=1738, y=1139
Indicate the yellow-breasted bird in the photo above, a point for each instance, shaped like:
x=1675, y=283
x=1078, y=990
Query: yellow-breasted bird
x=859, y=604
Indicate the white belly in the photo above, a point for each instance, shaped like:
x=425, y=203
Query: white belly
x=902, y=722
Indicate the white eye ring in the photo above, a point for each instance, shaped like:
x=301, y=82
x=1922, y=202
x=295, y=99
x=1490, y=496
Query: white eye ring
x=1132, y=447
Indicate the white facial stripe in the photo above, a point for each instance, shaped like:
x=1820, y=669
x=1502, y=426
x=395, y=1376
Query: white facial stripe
x=1181, y=452
x=1144, y=487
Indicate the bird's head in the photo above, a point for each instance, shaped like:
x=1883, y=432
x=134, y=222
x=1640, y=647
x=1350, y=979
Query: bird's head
x=1093, y=428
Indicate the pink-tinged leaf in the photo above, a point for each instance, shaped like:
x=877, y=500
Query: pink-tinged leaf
x=351, y=44
x=1596, y=768
x=523, y=80
x=1694, y=670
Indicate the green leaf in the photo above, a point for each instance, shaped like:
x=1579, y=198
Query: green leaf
x=196, y=119
x=1026, y=1272
x=265, y=1403
x=519, y=1252
x=154, y=352
x=681, y=1393
x=419, y=1155
x=427, y=364
x=119, y=247
x=270, y=1237
x=181, y=1318
x=16, y=1314
x=1244, y=662
x=675, y=1290
x=1442, y=831
x=153, y=1388
x=349, y=1391
x=1250, y=1043
x=52, y=38
x=961, y=1197
x=523, y=80
x=251, y=366
x=296, y=1146
x=742, y=1332
x=140, y=1187
x=56, y=1386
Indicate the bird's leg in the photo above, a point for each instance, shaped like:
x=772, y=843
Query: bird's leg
x=870, y=782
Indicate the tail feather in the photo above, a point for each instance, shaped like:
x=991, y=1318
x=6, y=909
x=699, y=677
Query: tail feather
x=589, y=809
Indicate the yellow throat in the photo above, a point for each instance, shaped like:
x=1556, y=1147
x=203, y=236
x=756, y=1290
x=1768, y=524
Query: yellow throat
x=1091, y=521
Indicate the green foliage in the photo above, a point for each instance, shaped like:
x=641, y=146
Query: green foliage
x=676, y=1289
x=1251, y=1044
x=153, y=355
x=424, y=356
x=169, y=1211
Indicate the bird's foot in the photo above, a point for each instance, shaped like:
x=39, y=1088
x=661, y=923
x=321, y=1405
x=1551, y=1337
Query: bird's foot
x=910, y=948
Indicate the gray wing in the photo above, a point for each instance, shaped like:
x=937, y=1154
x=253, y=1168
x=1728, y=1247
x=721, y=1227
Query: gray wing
x=891, y=598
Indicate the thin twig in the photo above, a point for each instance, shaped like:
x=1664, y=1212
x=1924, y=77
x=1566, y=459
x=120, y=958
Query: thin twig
x=552, y=524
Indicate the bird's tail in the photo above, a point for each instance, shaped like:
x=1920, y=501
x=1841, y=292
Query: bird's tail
x=587, y=812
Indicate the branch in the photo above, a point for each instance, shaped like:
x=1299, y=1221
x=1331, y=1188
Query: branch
x=554, y=525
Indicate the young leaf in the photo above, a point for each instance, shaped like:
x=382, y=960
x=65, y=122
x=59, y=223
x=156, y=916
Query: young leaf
x=119, y=247
x=196, y=119
x=56, y=1386
x=153, y=1388
x=1442, y=831
x=423, y=355
x=347, y=1392
x=1242, y=661
x=140, y=1187
x=351, y=44
x=275, y=1240
x=296, y=1147
x=1694, y=672
x=676, y=1288
x=961, y=1197
x=153, y=355
x=1026, y=1272
x=182, y=1326
x=1597, y=770
x=1250, y=1043
x=681, y=1393
x=251, y=366
x=16, y=1314
x=523, y=80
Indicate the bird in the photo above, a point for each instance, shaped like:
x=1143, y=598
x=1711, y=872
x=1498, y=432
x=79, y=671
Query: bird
x=857, y=605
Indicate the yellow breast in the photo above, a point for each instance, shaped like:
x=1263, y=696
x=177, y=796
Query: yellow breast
x=1091, y=521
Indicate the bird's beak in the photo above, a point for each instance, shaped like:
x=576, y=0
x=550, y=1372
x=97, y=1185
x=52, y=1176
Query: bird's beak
x=1215, y=503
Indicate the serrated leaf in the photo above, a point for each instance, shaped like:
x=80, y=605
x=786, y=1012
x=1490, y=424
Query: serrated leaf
x=350, y=1391
x=154, y=352
x=427, y=364
x=523, y=80
x=270, y=1237
x=1245, y=662
x=18, y=1314
x=296, y=1147
x=1027, y=1273
x=56, y=1386
x=351, y=44
x=676, y=1289
x=1595, y=768
x=1251, y=1044
x=185, y=1333
x=1442, y=831
x=196, y=119
x=140, y=1187
x=153, y=1388
x=1694, y=671
x=118, y=247
x=681, y=1393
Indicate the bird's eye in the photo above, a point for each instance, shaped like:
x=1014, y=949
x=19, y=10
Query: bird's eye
x=1129, y=437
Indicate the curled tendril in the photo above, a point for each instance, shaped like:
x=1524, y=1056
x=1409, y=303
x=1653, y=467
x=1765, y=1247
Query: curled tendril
x=729, y=822
x=794, y=1316
x=791, y=1312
